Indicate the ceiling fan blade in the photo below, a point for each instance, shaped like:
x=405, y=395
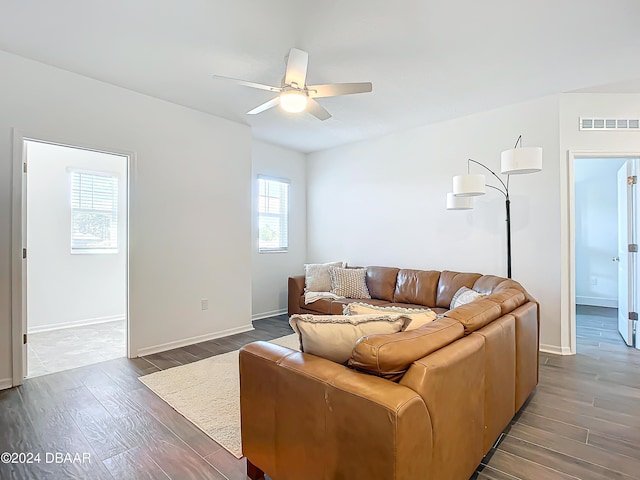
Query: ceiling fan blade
x=261, y=86
x=296, y=68
x=265, y=106
x=336, y=89
x=317, y=110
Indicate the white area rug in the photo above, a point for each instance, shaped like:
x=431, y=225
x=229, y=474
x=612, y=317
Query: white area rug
x=207, y=393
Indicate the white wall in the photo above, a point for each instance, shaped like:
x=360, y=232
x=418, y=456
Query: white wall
x=382, y=202
x=572, y=107
x=271, y=270
x=190, y=220
x=390, y=195
x=596, y=230
x=63, y=288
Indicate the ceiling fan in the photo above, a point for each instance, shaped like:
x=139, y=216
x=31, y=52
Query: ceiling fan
x=295, y=95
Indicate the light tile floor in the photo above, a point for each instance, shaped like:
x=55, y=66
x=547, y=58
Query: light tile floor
x=67, y=348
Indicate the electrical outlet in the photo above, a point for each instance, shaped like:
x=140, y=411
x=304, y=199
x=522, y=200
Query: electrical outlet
x=594, y=280
x=204, y=304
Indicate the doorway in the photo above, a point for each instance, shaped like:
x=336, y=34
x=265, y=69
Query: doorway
x=75, y=260
x=603, y=271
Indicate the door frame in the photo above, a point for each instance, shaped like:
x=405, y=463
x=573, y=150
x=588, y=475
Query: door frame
x=568, y=253
x=18, y=239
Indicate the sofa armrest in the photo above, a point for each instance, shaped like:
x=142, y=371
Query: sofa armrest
x=307, y=417
x=295, y=291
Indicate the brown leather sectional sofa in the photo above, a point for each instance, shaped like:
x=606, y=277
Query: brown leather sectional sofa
x=304, y=417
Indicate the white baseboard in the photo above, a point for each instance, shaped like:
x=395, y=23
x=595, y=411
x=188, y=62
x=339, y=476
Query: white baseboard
x=597, y=302
x=273, y=313
x=554, y=349
x=77, y=323
x=6, y=383
x=190, y=341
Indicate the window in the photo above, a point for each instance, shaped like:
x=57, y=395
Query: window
x=273, y=215
x=94, y=213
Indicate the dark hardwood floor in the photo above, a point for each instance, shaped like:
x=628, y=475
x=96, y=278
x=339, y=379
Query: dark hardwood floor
x=583, y=421
x=103, y=410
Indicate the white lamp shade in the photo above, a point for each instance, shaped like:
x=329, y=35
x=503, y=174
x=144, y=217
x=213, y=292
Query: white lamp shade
x=469, y=185
x=293, y=101
x=459, y=203
x=521, y=160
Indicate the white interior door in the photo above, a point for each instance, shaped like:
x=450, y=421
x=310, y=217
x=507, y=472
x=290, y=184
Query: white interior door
x=25, y=352
x=627, y=260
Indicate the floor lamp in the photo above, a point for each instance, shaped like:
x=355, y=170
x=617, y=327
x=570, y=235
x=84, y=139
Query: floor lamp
x=518, y=160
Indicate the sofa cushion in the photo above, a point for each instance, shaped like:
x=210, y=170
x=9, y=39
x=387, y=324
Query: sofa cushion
x=321, y=306
x=337, y=306
x=475, y=315
x=328, y=306
x=419, y=317
x=509, y=299
x=486, y=283
x=349, y=282
x=463, y=296
x=381, y=282
x=417, y=287
x=437, y=310
x=389, y=356
x=450, y=283
x=507, y=284
x=334, y=336
x=316, y=276
x=491, y=284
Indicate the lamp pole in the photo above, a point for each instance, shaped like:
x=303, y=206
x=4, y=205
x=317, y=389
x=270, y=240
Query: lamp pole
x=508, y=204
x=505, y=191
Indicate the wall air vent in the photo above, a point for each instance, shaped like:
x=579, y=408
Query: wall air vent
x=629, y=124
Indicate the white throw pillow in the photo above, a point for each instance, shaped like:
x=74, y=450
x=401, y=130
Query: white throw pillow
x=316, y=276
x=349, y=282
x=463, y=296
x=334, y=336
x=418, y=316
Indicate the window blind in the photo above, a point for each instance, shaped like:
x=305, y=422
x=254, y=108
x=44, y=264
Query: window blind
x=94, y=212
x=273, y=215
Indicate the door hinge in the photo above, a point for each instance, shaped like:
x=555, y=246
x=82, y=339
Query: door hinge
x=24, y=338
x=633, y=315
x=633, y=247
x=632, y=180
x=24, y=167
x=24, y=253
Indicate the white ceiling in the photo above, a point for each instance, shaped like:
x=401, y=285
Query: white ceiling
x=428, y=60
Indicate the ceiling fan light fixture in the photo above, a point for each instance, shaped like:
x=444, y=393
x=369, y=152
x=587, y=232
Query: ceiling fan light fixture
x=293, y=101
x=294, y=95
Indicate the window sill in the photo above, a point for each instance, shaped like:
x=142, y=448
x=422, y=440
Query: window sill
x=94, y=251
